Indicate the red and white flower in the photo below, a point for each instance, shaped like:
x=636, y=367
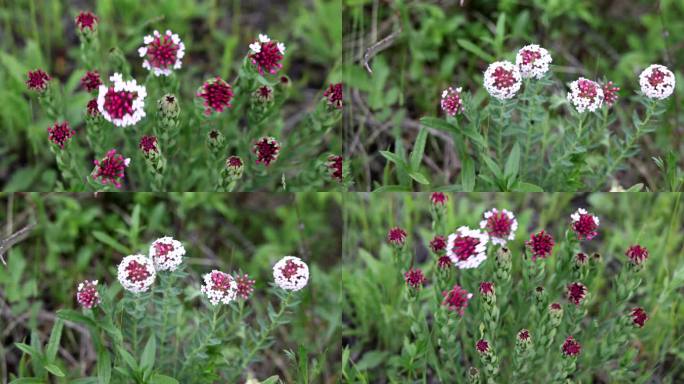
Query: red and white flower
x=540, y=244
x=584, y=224
x=167, y=253
x=38, y=80
x=110, y=169
x=571, y=347
x=482, y=346
x=456, y=299
x=438, y=199
x=639, y=317
x=637, y=254
x=91, y=81
x=87, y=295
x=86, y=21
x=576, y=292
x=162, y=53
x=245, y=286
x=334, y=95
x=610, y=93
x=334, y=165
x=585, y=95
x=502, y=79
x=136, y=273
x=148, y=144
x=217, y=95
x=657, y=82
x=533, y=61
x=467, y=248
x=267, y=150
x=452, y=103
x=500, y=225
x=414, y=278
x=267, y=54
x=219, y=287
x=291, y=273
x=123, y=102
x=60, y=134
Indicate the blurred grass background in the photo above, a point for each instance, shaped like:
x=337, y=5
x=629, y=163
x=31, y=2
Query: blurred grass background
x=430, y=45
x=374, y=324
x=216, y=33
x=84, y=236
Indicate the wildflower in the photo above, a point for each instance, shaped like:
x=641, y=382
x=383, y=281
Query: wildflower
x=540, y=244
x=123, y=102
x=487, y=288
x=637, y=254
x=456, y=299
x=443, y=262
x=167, y=253
x=610, y=93
x=452, y=103
x=60, y=134
x=136, y=273
x=245, y=286
x=438, y=198
x=414, y=278
x=169, y=109
x=267, y=55
x=162, y=53
x=502, y=80
x=110, y=169
x=571, y=347
x=86, y=21
x=267, y=150
x=500, y=225
x=235, y=165
x=585, y=95
x=396, y=236
x=473, y=375
x=334, y=165
x=540, y=294
x=215, y=141
x=87, y=295
x=92, y=108
x=148, y=144
x=533, y=61
x=263, y=94
x=334, y=95
x=657, y=82
x=576, y=292
x=217, y=95
x=219, y=287
x=503, y=265
x=291, y=273
x=555, y=314
x=639, y=317
x=38, y=80
x=438, y=244
x=91, y=81
x=482, y=346
x=584, y=224
x=467, y=248
x=581, y=259
x=523, y=340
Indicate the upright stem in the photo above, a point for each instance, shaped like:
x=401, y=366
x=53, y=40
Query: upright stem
x=203, y=344
x=631, y=141
x=264, y=335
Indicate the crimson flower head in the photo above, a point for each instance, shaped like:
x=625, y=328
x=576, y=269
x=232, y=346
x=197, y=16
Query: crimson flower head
x=571, y=347
x=584, y=224
x=60, y=134
x=91, y=81
x=456, y=299
x=639, y=317
x=524, y=335
x=438, y=244
x=86, y=20
x=38, y=80
x=334, y=95
x=610, y=93
x=502, y=79
x=555, y=307
x=438, y=198
x=443, y=262
x=414, y=278
x=92, y=108
x=87, y=295
x=576, y=292
x=147, y=144
x=267, y=150
x=500, y=225
x=482, y=346
x=266, y=55
x=219, y=287
x=110, y=169
x=452, y=103
x=162, y=53
x=136, y=273
x=123, y=102
x=540, y=244
x=245, y=286
x=637, y=254
x=467, y=248
x=487, y=288
x=396, y=236
x=217, y=95
x=581, y=259
x=334, y=165
x=234, y=163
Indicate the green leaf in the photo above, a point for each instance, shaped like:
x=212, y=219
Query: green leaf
x=28, y=380
x=29, y=350
x=467, y=174
x=636, y=188
x=527, y=187
x=128, y=359
x=496, y=171
x=419, y=177
x=55, y=370
x=371, y=359
x=55, y=337
x=163, y=379
x=393, y=188
x=112, y=242
x=418, y=149
x=468, y=46
x=513, y=162
x=500, y=32
x=148, y=355
x=75, y=317
x=437, y=123
x=104, y=366
x=271, y=380
x=394, y=158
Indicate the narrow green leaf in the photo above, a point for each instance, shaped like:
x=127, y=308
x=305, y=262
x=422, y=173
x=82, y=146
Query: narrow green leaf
x=513, y=162
x=271, y=380
x=55, y=337
x=419, y=177
x=28, y=380
x=468, y=46
x=437, y=123
x=55, y=370
x=527, y=187
x=467, y=175
x=163, y=379
x=496, y=171
x=27, y=349
x=75, y=317
x=500, y=32
x=148, y=355
x=128, y=359
x=110, y=241
x=104, y=366
x=393, y=188
x=418, y=149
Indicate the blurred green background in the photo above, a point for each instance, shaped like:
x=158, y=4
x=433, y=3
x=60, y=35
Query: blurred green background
x=375, y=324
x=436, y=44
x=41, y=34
x=85, y=236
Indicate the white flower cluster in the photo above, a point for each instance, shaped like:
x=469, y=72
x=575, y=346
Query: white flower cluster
x=467, y=248
x=509, y=217
x=581, y=211
x=255, y=47
x=167, y=253
x=533, y=61
x=502, y=79
x=118, y=95
x=291, y=273
x=585, y=95
x=136, y=273
x=657, y=82
x=219, y=287
x=159, y=46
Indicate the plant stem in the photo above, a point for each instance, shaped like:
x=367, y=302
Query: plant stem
x=631, y=141
x=203, y=344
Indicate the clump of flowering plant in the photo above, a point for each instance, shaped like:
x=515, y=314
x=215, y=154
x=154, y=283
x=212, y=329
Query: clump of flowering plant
x=162, y=53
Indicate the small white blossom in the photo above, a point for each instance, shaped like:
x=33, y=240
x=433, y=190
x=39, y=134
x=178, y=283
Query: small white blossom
x=122, y=103
x=291, y=273
x=162, y=53
x=136, y=273
x=500, y=225
x=467, y=248
x=657, y=82
x=219, y=287
x=167, y=253
x=533, y=61
x=585, y=95
x=502, y=79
